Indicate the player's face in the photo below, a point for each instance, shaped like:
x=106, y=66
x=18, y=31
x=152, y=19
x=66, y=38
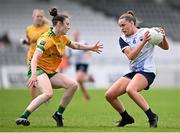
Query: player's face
x=38, y=18
x=64, y=27
x=126, y=27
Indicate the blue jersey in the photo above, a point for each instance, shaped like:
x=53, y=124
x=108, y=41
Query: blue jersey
x=145, y=60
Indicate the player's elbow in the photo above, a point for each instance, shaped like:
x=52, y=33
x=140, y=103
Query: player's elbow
x=166, y=48
x=164, y=45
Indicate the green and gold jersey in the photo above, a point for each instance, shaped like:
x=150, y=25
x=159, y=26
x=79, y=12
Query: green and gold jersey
x=53, y=48
x=33, y=33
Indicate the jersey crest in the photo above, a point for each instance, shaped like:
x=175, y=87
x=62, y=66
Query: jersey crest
x=42, y=42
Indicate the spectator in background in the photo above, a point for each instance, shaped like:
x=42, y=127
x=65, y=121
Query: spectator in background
x=5, y=40
x=134, y=44
x=33, y=32
x=82, y=60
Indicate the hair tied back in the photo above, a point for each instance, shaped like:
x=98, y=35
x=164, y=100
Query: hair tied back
x=53, y=12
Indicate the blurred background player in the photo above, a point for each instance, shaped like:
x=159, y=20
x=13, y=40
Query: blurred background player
x=134, y=44
x=82, y=60
x=43, y=68
x=33, y=32
x=65, y=63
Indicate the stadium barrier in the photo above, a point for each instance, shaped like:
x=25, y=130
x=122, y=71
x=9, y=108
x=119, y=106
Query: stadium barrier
x=167, y=75
x=13, y=76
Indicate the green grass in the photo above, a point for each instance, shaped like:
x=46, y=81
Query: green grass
x=93, y=116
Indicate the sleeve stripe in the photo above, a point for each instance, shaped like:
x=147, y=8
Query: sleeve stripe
x=124, y=48
x=123, y=44
x=69, y=43
x=41, y=48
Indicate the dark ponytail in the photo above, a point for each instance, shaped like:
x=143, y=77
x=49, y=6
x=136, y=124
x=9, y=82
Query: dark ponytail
x=130, y=12
x=57, y=17
x=53, y=12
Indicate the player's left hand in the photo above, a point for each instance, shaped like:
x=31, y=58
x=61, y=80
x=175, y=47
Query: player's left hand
x=162, y=31
x=97, y=47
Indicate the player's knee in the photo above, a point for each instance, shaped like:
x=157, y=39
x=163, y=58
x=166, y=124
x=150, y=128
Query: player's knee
x=109, y=96
x=130, y=91
x=74, y=86
x=49, y=95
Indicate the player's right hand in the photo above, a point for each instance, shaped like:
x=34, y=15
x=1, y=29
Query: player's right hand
x=32, y=82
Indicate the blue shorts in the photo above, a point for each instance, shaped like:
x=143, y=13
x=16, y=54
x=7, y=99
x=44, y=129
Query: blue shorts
x=150, y=76
x=82, y=67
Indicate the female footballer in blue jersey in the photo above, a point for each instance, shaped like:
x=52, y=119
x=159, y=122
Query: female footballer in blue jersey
x=134, y=44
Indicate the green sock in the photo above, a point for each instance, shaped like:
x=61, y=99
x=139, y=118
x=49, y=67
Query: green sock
x=60, y=110
x=26, y=114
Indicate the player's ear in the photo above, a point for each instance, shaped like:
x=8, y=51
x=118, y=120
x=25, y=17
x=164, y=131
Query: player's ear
x=132, y=23
x=60, y=23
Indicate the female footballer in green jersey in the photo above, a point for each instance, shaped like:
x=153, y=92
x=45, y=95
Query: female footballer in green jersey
x=42, y=74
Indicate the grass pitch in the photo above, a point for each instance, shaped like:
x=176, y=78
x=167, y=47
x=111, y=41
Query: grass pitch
x=93, y=116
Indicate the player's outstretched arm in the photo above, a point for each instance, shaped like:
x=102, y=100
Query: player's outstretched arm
x=97, y=47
